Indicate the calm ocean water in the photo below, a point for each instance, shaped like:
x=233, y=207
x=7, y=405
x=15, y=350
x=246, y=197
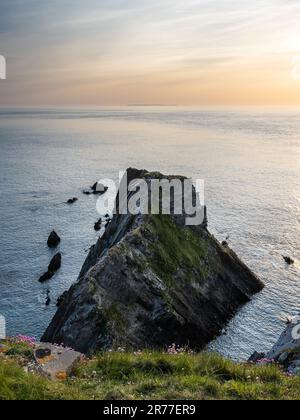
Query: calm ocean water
x=249, y=159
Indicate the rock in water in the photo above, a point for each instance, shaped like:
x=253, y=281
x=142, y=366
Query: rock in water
x=55, y=263
x=94, y=186
x=53, y=239
x=61, y=298
x=48, y=298
x=288, y=260
x=53, y=267
x=72, y=200
x=151, y=281
x=98, y=188
x=97, y=225
x=45, y=277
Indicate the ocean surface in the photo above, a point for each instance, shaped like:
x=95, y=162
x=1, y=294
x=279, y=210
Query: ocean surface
x=249, y=159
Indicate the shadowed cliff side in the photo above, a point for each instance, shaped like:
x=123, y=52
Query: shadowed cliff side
x=151, y=281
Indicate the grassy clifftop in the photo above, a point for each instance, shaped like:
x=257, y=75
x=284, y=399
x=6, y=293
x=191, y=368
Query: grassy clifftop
x=145, y=375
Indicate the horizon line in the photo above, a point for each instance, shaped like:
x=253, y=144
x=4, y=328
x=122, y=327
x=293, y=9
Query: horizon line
x=152, y=105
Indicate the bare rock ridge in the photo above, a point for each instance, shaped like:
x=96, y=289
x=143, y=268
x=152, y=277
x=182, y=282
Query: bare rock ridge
x=151, y=281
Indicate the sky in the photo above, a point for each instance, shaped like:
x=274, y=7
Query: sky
x=119, y=52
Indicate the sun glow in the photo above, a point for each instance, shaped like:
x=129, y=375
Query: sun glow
x=192, y=53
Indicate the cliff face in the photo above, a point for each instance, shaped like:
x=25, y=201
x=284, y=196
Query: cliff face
x=151, y=281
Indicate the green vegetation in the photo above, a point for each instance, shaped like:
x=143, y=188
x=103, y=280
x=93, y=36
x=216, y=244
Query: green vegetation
x=114, y=315
x=178, y=247
x=146, y=375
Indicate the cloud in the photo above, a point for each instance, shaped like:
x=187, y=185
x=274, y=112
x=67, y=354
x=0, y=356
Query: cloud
x=107, y=41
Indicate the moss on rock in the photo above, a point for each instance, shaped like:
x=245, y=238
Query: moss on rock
x=176, y=248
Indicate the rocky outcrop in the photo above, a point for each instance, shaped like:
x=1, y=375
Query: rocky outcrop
x=98, y=188
x=98, y=225
x=55, y=263
x=53, y=267
x=48, y=298
x=287, y=349
x=46, y=276
x=151, y=281
x=288, y=260
x=53, y=240
x=72, y=200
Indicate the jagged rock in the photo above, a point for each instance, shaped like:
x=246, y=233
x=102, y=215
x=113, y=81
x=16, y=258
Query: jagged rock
x=151, y=281
x=55, y=263
x=98, y=188
x=53, y=267
x=286, y=351
x=289, y=342
x=94, y=186
x=46, y=276
x=53, y=239
x=72, y=200
x=288, y=260
x=98, y=225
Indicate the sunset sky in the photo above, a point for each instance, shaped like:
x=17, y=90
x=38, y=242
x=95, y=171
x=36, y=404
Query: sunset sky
x=118, y=52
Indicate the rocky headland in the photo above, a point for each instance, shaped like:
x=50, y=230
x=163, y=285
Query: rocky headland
x=151, y=281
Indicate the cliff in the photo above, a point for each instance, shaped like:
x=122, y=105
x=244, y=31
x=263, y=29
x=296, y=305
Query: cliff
x=151, y=281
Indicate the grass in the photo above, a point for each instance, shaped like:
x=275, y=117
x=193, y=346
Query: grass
x=178, y=247
x=148, y=375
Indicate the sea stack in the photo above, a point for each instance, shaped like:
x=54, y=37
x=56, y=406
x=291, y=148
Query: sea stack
x=151, y=281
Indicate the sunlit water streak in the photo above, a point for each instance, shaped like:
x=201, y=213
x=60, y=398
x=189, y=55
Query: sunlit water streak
x=249, y=160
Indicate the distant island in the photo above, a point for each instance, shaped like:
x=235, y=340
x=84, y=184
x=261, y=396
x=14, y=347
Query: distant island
x=152, y=105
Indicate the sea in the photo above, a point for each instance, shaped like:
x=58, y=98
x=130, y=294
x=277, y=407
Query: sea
x=249, y=159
